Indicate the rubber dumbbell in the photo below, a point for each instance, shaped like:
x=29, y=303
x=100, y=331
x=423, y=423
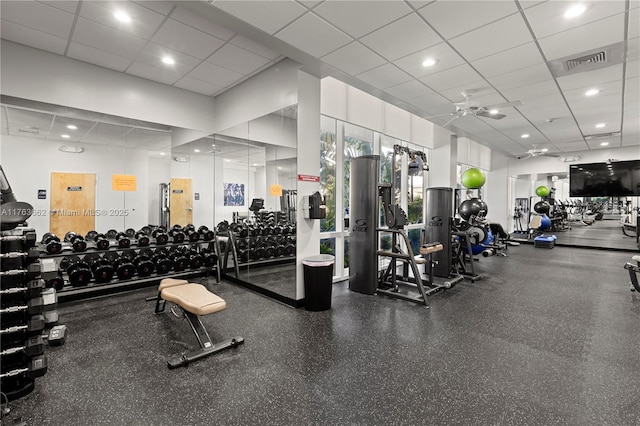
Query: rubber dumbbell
x=124, y=268
x=242, y=244
x=179, y=260
x=77, y=270
x=189, y=227
x=243, y=255
x=206, y=233
x=142, y=239
x=210, y=258
x=77, y=242
x=234, y=227
x=90, y=235
x=177, y=235
x=279, y=251
x=243, y=232
x=269, y=252
x=51, y=243
x=196, y=260
x=144, y=265
x=160, y=236
x=130, y=232
x=162, y=263
x=260, y=253
x=223, y=226
x=123, y=240
x=192, y=235
x=102, y=270
x=289, y=249
x=253, y=231
x=102, y=243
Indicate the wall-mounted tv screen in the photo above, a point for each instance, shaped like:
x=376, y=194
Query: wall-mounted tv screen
x=610, y=179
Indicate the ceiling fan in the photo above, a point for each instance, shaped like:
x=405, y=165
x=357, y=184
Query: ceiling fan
x=467, y=108
x=536, y=152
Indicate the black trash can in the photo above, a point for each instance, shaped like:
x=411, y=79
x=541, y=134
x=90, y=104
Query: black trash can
x=318, y=282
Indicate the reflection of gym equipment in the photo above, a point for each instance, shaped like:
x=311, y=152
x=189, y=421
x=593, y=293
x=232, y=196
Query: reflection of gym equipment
x=14, y=212
x=77, y=242
x=193, y=300
x=634, y=270
x=51, y=243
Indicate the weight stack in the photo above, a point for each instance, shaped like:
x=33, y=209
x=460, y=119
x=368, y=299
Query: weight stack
x=364, y=215
x=437, y=227
x=21, y=313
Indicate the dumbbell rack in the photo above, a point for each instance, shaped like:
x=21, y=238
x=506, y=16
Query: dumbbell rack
x=70, y=292
x=262, y=244
x=21, y=319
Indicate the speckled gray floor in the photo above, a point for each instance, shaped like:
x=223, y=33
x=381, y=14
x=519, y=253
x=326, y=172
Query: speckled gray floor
x=549, y=337
x=279, y=278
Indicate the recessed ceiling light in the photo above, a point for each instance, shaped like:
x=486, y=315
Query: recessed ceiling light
x=122, y=16
x=168, y=60
x=600, y=125
x=493, y=111
x=196, y=150
x=429, y=62
x=279, y=168
x=575, y=10
x=227, y=160
x=65, y=136
x=72, y=127
x=545, y=150
x=604, y=143
x=214, y=145
x=255, y=164
x=591, y=92
x=162, y=153
x=524, y=136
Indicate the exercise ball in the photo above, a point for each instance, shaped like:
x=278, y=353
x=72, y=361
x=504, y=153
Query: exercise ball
x=542, y=191
x=545, y=223
x=473, y=178
x=479, y=248
x=471, y=207
x=541, y=207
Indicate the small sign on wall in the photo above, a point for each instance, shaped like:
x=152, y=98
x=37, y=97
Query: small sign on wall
x=123, y=182
x=308, y=178
x=42, y=194
x=196, y=196
x=74, y=188
x=178, y=191
x=275, y=190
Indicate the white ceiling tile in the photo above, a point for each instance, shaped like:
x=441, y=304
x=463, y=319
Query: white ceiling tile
x=430, y=101
x=530, y=3
x=591, y=79
x=632, y=85
x=106, y=38
x=310, y=4
x=524, y=93
x=501, y=35
x=198, y=86
x=633, y=69
x=586, y=37
x=313, y=36
x=237, y=59
x=186, y=39
x=409, y=90
x=37, y=16
x=630, y=140
x=29, y=120
x=446, y=57
x=572, y=146
x=385, y=76
x=420, y=3
x=354, y=58
x=34, y=38
x=544, y=101
x=401, y=38
x=162, y=7
x=452, y=77
x=519, y=57
x=150, y=72
x=144, y=22
x=633, y=49
x=215, y=74
x=522, y=77
x=254, y=47
x=98, y=57
x=634, y=22
x=348, y=15
x=467, y=15
x=548, y=18
x=455, y=93
x=613, y=143
x=69, y=6
x=152, y=54
x=201, y=23
x=613, y=88
x=269, y=16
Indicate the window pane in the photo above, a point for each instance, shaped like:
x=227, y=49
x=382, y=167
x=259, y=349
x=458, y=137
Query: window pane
x=328, y=171
x=415, y=236
x=328, y=246
x=358, y=141
x=415, y=191
x=346, y=252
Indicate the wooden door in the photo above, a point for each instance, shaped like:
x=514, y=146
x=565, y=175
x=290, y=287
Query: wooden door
x=73, y=203
x=180, y=202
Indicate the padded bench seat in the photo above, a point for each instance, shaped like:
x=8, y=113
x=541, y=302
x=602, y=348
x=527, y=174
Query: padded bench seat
x=194, y=298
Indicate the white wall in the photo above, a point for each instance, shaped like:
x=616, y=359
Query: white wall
x=29, y=162
x=159, y=172
x=496, y=191
x=270, y=129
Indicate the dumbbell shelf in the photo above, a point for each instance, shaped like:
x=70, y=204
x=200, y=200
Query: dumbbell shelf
x=91, y=248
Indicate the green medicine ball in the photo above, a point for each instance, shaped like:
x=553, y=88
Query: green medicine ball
x=542, y=191
x=473, y=178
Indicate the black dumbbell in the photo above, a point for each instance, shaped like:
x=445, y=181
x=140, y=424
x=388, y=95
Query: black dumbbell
x=123, y=240
x=279, y=251
x=101, y=268
x=223, y=226
x=196, y=260
x=160, y=236
x=234, y=227
x=243, y=255
x=146, y=230
x=269, y=252
x=102, y=243
x=124, y=268
x=130, y=232
x=242, y=244
x=162, y=262
x=210, y=258
x=51, y=243
x=142, y=239
x=90, y=235
x=177, y=235
x=192, y=235
x=78, y=271
x=179, y=260
x=144, y=265
x=206, y=233
x=290, y=249
x=112, y=234
x=77, y=242
x=253, y=231
x=243, y=232
x=189, y=227
x=277, y=230
x=56, y=282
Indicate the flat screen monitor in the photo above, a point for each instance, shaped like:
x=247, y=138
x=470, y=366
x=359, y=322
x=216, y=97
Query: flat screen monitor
x=609, y=179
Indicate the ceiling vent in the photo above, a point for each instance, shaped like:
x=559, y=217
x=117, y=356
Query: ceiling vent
x=602, y=135
x=30, y=131
x=588, y=61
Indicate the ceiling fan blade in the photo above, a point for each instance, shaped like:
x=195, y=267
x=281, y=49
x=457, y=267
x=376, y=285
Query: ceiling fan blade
x=487, y=115
x=441, y=115
x=520, y=157
x=449, y=122
x=504, y=105
x=551, y=155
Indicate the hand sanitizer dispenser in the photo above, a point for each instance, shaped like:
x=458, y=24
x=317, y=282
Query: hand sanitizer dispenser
x=314, y=206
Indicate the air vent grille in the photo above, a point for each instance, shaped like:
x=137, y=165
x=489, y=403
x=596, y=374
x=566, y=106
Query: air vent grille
x=30, y=131
x=602, y=135
x=595, y=58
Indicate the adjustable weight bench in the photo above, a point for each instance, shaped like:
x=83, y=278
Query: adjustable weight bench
x=193, y=300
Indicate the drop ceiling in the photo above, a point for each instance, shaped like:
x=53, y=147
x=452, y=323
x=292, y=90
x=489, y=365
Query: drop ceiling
x=498, y=50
